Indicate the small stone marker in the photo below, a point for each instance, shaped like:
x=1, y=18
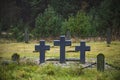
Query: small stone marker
x=15, y=57
x=100, y=62
x=108, y=38
x=68, y=36
x=26, y=35
x=82, y=48
x=41, y=48
x=62, y=43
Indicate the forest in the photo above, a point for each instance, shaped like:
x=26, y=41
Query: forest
x=51, y=18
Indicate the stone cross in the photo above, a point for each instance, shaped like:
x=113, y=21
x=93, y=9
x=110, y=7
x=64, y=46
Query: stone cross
x=41, y=48
x=100, y=62
x=62, y=43
x=82, y=48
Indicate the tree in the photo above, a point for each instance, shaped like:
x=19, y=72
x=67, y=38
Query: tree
x=9, y=14
x=66, y=8
x=107, y=16
x=47, y=24
x=78, y=25
x=17, y=30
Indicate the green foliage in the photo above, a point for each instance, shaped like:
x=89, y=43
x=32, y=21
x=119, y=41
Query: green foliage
x=66, y=7
x=6, y=70
x=75, y=70
x=94, y=21
x=52, y=72
x=46, y=20
x=17, y=30
x=47, y=24
x=35, y=72
x=78, y=25
x=106, y=15
x=31, y=71
x=33, y=2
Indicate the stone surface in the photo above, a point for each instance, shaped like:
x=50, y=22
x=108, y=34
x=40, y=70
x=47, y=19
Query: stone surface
x=100, y=62
x=67, y=59
x=15, y=57
x=108, y=38
x=82, y=48
x=68, y=36
x=26, y=35
x=62, y=43
x=42, y=48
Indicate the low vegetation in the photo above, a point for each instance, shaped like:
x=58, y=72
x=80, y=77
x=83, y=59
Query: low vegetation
x=52, y=72
x=30, y=71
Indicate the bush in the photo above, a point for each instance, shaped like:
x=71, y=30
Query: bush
x=78, y=25
x=18, y=30
x=47, y=24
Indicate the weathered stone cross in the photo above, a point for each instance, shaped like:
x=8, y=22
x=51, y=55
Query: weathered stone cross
x=62, y=43
x=41, y=48
x=82, y=48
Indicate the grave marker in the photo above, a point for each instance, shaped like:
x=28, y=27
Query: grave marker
x=26, y=35
x=15, y=57
x=100, y=62
x=108, y=38
x=41, y=48
x=68, y=36
x=62, y=43
x=82, y=48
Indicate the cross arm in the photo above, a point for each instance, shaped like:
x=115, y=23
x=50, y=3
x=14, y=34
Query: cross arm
x=56, y=42
x=87, y=48
x=77, y=48
x=68, y=43
x=47, y=47
x=36, y=47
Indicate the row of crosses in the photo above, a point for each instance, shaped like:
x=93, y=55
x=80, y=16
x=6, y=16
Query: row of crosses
x=62, y=43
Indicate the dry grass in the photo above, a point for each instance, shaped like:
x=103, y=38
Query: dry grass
x=51, y=72
x=111, y=53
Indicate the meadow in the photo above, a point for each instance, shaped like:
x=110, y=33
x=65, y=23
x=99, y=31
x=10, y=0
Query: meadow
x=48, y=71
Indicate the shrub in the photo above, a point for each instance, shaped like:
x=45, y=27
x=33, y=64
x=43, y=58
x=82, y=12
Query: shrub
x=78, y=25
x=18, y=30
x=47, y=24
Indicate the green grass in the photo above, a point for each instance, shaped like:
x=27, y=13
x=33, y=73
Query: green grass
x=52, y=72
x=111, y=53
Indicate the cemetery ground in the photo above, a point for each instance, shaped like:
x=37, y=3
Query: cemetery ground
x=28, y=69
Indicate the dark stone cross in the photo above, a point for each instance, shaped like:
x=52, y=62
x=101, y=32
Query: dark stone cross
x=62, y=43
x=82, y=48
x=41, y=48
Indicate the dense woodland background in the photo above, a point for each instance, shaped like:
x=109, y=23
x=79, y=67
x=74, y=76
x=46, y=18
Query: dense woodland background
x=51, y=18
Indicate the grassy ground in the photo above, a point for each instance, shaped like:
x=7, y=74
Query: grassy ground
x=51, y=72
